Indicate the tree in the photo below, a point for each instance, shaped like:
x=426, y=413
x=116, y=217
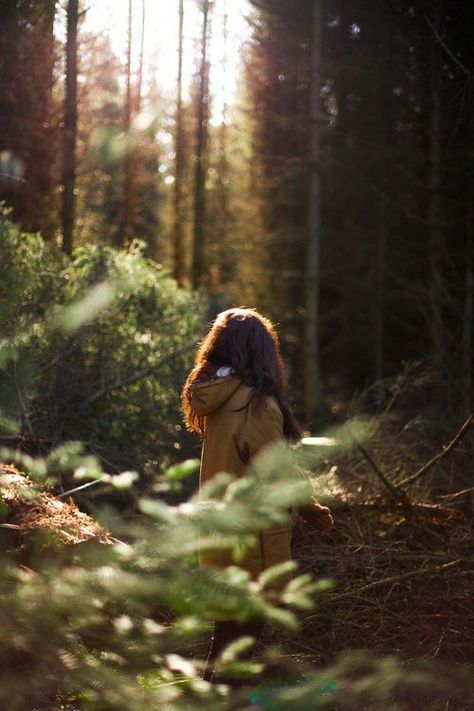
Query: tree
x=125, y=230
x=312, y=261
x=28, y=122
x=435, y=229
x=70, y=128
x=140, y=60
x=201, y=152
x=394, y=99
x=99, y=193
x=178, y=236
x=468, y=310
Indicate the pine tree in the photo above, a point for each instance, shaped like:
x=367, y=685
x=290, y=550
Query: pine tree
x=70, y=128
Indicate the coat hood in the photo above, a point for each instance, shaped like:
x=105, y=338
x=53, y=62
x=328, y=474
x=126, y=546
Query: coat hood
x=209, y=396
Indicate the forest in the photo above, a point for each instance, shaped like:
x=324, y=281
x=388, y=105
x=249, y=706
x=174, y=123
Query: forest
x=161, y=162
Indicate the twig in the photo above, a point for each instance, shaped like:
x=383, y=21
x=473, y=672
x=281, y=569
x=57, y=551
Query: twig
x=393, y=490
x=457, y=493
x=84, y=486
x=419, y=572
x=400, y=495
x=134, y=377
x=434, y=460
x=448, y=51
x=12, y=177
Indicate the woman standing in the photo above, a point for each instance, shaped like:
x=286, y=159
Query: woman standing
x=236, y=399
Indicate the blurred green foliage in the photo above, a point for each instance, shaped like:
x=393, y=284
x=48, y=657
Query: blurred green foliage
x=126, y=625
x=94, y=349
x=122, y=626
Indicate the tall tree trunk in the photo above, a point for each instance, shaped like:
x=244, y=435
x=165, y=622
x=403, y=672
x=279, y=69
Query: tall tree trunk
x=178, y=231
x=435, y=234
x=468, y=315
x=27, y=115
x=313, y=402
x=126, y=221
x=201, y=151
x=138, y=103
x=381, y=75
x=226, y=256
x=70, y=128
x=379, y=335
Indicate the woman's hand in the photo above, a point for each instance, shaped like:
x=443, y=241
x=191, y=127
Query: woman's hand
x=317, y=516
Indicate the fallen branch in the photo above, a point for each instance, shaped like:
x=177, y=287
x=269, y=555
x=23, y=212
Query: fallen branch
x=393, y=490
x=437, y=458
x=457, y=494
x=419, y=572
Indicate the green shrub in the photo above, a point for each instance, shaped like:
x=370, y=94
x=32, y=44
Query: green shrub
x=95, y=349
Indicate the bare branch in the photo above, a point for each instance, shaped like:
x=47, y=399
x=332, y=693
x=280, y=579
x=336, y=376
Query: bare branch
x=417, y=573
x=437, y=458
x=448, y=51
x=139, y=375
x=393, y=490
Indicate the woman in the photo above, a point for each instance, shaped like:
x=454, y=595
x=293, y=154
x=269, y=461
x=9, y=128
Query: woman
x=236, y=399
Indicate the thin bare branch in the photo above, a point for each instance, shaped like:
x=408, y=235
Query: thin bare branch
x=419, y=572
x=448, y=51
x=437, y=458
x=139, y=375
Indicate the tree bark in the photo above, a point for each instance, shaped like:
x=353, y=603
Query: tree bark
x=28, y=115
x=70, y=128
x=178, y=232
x=379, y=336
x=201, y=150
x=381, y=75
x=468, y=316
x=226, y=253
x=313, y=399
x=435, y=234
x=138, y=103
x=125, y=226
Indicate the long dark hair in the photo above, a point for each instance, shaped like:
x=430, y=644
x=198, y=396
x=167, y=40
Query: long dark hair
x=248, y=342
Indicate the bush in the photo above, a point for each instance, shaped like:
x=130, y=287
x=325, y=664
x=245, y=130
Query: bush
x=97, y=350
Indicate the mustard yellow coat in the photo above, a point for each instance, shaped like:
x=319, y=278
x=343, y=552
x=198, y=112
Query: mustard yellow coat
x=233, y=436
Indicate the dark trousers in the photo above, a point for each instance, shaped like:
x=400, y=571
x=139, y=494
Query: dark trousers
x=225, y=632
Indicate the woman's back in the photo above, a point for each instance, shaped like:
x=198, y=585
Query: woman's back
x=237, y=425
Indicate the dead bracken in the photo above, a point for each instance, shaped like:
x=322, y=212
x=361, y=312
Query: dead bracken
x=27, y=507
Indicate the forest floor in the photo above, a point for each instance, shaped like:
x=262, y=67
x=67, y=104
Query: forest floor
x=403, y=586
x=400, y=555
x=402, y=570
x=404, y=583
